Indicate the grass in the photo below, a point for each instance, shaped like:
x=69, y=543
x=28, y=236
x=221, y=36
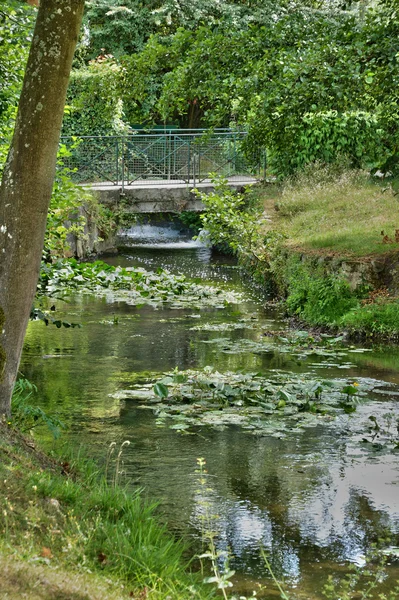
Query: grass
x=21, y=579
x=342, y=215
x=379, y=319
x=328, y=209
x=78, y=537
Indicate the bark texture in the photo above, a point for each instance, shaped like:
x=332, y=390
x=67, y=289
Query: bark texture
x=28, y=176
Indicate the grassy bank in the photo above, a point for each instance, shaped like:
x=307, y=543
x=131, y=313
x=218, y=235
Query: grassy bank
x=336, y=223
x=331, y=210
x=328, y=241
x=68, y=534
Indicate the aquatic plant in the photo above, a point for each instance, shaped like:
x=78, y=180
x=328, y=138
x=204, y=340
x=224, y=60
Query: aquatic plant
x=262, y=404
x=133, y=285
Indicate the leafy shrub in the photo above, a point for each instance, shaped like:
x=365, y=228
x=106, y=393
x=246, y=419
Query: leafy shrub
x=71, y=209
x=378, y=318
x=313, y=294
x=191, y=219
x=232, y=219
x=329, y=136
x=26, y=416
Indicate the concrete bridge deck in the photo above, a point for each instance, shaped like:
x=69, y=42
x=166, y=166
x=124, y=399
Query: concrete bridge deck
x=159, y=196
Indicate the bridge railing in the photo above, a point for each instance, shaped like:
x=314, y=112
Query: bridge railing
x=156, y=157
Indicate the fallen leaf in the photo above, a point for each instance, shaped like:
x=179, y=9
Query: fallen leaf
x=46, y=553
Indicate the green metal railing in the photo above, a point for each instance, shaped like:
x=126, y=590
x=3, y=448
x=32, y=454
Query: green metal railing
x=155, y=157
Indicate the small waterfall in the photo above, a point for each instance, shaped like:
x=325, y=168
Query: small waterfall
x=167, y=235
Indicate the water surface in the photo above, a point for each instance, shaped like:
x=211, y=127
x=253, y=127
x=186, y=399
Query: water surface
x=314, y=499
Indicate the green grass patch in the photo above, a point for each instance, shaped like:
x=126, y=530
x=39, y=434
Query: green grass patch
x=379, y=318
x=66, y=515
x=326, y=208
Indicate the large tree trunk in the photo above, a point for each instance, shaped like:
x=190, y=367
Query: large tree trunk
x=28, y=176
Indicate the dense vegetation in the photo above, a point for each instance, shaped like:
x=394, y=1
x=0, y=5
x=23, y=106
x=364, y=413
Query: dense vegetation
x=310, y=80
x=307, y=241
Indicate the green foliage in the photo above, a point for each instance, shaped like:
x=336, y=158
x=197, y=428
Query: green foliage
x=122, y=29
x=310, y=80
x=65, y=212
x=116, y=29
x=378, y=318
x=143, y=77
x=355, y=138
x=312, y=291
x=94, y=100
x=26, y=416
x=232, y=219
x=38, y=314
x=309, y=83
x=72, y=209
x=191, y=219
x=314, y=295
x=16, y=25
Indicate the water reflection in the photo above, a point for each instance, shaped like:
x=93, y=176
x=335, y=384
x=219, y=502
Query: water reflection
x=313, y=499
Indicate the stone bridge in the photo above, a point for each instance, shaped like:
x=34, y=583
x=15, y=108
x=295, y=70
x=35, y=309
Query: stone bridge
x=160, y=197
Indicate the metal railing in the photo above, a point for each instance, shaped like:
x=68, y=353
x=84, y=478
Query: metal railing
x=159, y=156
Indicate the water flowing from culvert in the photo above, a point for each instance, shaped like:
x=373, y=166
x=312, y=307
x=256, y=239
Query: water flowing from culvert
x=312, y=498
x=169, y=236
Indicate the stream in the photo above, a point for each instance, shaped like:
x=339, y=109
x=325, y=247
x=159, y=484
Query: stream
x=315, y=498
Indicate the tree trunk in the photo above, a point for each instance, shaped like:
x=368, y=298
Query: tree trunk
x=28, y=176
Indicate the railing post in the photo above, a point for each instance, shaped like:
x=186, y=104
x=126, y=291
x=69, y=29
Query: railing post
x=235, y=154
x=264, y=163
x=188, y=161
x=123, y=166
x=117, y=162
x=194, y=157
x=169, y=146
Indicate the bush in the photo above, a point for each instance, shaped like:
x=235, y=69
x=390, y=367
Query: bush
x=317, y=297
x=381, y=318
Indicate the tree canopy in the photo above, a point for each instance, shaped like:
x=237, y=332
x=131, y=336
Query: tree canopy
x=310, y=80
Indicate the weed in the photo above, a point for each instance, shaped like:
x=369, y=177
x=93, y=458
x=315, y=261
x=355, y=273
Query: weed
x=314, y=295
x=232, y=220
x=220, y=576
x=378, y=318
